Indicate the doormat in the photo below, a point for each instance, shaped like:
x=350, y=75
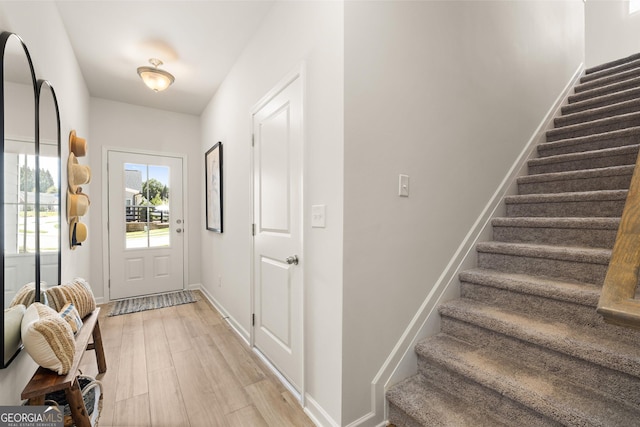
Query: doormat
x=133, y=305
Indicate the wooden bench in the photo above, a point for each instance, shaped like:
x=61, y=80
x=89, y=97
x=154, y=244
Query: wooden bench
x=46, y=381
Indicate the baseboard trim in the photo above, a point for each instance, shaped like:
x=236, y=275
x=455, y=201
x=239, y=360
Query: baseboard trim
x=243, y=333
x=317, y=414
x=402, y=361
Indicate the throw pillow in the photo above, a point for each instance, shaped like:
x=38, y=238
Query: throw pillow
x=48, y=338
x=72, y=317
x=77, y=292
x=26, y=294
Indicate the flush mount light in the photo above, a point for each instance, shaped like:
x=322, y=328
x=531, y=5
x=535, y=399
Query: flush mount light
x=155, y=78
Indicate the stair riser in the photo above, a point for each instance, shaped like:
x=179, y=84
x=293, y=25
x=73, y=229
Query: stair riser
x=623, y=387
x=602, y=91
x=476, y=394
x=584, y=117
x=592, y=162
x=561, y=269
x=546, y=150
x=590, y=238
x=606, y=208
x=631, y=65
x=398, y=417
x=614, y=182
x=588, y=82
x=601, y=101
x=596, y=128
x=592, y=71
x=548, y=308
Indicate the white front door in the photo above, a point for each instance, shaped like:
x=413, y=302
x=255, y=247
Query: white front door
x=277, y=257
x=146, y=229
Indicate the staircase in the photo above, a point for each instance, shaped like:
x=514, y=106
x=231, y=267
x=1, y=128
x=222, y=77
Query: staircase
x=524, y=346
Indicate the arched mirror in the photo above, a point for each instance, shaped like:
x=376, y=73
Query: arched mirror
x=48, y=180
x=19, y=197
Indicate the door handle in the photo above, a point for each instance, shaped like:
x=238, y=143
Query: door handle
x=293, y=259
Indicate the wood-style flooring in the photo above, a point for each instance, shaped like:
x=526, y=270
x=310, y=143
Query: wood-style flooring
x=184, y=366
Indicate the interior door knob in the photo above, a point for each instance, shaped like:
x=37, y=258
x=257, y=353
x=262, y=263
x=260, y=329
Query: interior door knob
x=293, y=259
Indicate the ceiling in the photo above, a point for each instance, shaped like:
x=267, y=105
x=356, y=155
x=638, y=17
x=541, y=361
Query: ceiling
x=198, y=41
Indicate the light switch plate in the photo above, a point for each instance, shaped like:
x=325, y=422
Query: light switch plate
x=318, y=213
x=403, y=185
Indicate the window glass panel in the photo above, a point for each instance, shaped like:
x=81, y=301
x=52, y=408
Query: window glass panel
x=135, y=206
x=157, y=188
x=146, y=206
x=634, y=6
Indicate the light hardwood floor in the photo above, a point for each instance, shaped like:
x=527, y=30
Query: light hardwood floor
x=184, y=366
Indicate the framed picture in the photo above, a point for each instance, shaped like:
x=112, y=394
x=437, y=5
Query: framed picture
x=213, y=186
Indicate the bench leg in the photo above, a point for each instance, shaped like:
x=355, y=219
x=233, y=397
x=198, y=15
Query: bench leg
x=76, y=404
x=97, y=343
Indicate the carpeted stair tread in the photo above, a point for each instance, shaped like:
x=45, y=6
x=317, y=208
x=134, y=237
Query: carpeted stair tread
x=595, y=113
x=592, y=232
x=618, y=138
x=564, y=253
x=587, y=344
x=582, y=223
x=604, y=81
x=428, y=405
x=577, y=180
x=629, y=63
x=593, y=127
x=563, y=290
x=594, y=159
x=611, y=64
x=604, y=203
x=601, y=101
x=593, y=196
x=604, y=90
x=567, y=403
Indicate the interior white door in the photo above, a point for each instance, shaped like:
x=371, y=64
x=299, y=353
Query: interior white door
x=146, y=227
x=277, y=189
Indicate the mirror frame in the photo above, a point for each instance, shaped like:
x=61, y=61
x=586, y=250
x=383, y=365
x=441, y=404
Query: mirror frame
x=5, y=36
x=40, y=84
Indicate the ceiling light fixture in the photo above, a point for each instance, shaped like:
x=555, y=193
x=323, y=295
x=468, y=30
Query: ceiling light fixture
x=155, y=78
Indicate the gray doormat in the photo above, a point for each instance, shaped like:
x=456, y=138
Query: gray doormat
x=133, y=305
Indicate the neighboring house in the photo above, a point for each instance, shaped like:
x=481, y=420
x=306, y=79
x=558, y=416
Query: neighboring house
x=448, y=92
x=133, y=186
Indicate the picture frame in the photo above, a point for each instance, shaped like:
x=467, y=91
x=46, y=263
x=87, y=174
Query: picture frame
x=213, y=187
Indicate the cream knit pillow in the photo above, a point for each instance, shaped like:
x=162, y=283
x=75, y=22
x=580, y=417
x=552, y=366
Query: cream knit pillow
x=48, y=338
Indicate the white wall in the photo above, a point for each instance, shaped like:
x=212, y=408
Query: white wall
x=448, y=93
x=611, y=33
x=54, y=60
x=291, y=33
x=118, y=125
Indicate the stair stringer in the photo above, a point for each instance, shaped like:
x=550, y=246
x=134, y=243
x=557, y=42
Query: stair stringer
x=402, y=362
